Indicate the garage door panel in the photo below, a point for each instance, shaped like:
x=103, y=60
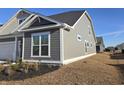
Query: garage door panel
x=7, y=50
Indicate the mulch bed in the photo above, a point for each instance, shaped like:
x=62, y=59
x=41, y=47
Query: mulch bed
x=21, y=75
x=99, y=69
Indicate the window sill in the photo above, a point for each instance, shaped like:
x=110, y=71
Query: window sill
x=41, y=56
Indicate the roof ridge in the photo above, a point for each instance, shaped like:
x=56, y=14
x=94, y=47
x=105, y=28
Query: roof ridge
x=67, y=12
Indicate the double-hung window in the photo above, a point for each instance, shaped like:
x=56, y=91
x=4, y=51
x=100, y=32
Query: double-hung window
x=40, y=45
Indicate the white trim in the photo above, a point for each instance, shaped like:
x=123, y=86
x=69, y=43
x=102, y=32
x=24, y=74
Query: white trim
x=86, y=13
x=79, y=19
x=61, y=45
x=77, y=58
x=89, y=30
x=43, y=61
x=26, y=19
x=39, y=28
x=91, y=25
x=79, y=36
x=9, y=36
x=2, y=62
x=28, y=22
x=23, y=45
x=60, y=62
x=44, y=17
x=39, y=34
x=8, y=42
x=15, y=50
x=10, y=20
x=48, y=18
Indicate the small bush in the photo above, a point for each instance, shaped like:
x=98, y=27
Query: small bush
x=8, y=61
x=36, y=66
x=1, y=68
x=19, y=61
x=26, y=67
x=15, y=67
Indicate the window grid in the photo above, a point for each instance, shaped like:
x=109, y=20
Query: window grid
x=40, y=45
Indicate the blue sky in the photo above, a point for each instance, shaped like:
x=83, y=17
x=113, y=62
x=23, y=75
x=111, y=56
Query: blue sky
x=108, y=23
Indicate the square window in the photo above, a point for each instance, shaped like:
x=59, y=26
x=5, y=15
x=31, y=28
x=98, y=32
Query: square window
x=44, y=39
x=36, y=50
x=40, y=44
x=36, y=40
x=44, y=50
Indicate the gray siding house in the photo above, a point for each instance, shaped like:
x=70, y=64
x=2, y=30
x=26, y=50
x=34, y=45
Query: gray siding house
x=56, y=39
x=100, y=47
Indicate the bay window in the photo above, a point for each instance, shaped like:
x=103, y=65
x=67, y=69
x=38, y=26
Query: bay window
x=40, y=45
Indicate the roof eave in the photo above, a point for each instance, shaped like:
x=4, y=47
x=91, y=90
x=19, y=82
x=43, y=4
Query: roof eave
x=41, y=28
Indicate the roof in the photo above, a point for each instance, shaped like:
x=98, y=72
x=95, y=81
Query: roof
x=69, y=18
x=120, y=46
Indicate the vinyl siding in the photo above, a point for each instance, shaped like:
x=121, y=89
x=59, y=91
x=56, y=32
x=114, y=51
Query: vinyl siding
x=74, y=48
x=54, y=46
x=7, y=39
x=11, y=25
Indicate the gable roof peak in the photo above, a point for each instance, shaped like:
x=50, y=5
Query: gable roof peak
x=69, y=17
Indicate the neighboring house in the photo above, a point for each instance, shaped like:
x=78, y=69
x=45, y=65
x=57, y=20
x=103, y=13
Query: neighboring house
x=60, y=38
x=120, y=46
x=100, y=47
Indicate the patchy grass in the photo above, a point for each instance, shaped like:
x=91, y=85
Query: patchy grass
x=98, y=69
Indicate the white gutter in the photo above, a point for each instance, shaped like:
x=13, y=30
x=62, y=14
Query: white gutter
x=40, y=28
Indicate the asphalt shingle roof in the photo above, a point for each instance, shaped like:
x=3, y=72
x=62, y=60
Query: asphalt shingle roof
x=68, y=17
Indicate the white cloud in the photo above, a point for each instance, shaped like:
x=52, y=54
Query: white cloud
x=115, y=34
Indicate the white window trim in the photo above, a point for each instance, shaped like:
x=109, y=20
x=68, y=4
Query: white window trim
x=39, y=34
x=87, y=42
x=78, y=35
x=89, y=30
x=91, y=45
x=24, y=18
x=85, y=46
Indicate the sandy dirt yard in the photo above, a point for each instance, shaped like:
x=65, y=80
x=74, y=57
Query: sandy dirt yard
x=98, y=69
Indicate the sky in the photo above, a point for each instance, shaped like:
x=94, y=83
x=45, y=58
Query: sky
x=108, y=23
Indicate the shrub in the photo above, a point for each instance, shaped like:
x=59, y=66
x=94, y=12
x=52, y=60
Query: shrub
x=15, y=67
x=30, y=66
x=26, y=67
x=8, y=61
x=19, y=61
x=1, y=68
x=36, y=66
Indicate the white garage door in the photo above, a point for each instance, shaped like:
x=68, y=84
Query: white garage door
x=7, y=50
